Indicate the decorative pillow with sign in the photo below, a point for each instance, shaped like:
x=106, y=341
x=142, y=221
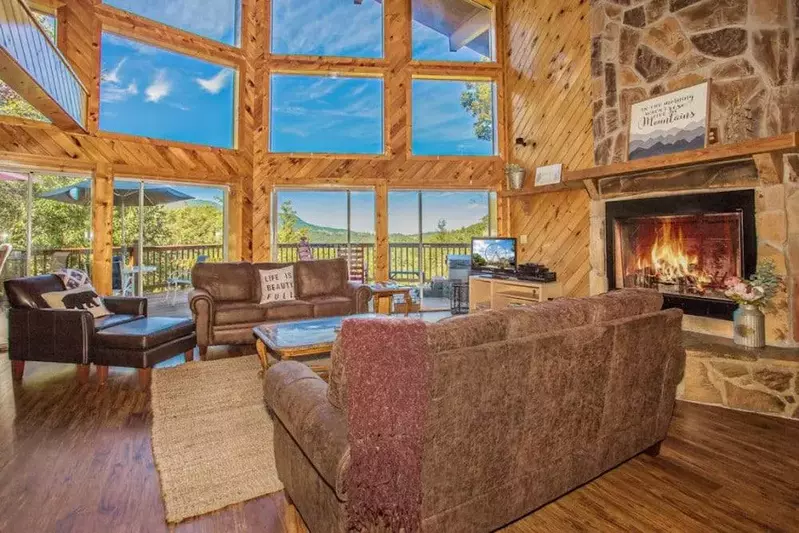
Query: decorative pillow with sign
x=277, y=285
x=84, y=297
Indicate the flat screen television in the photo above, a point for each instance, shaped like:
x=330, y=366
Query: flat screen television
x=493, y=254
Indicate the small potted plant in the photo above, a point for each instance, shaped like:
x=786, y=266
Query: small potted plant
x=752, y=295
x=515, y=175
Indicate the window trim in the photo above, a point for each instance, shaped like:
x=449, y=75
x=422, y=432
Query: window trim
x=384, y=128
x=496, y=145
x=236, y=112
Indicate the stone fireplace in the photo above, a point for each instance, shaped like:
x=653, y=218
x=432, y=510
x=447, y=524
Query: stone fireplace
x=687, y=247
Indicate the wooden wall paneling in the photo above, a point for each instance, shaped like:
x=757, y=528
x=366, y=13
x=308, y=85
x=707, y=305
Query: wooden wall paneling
x=549, y=91
x=102, y=228
x=382, y=259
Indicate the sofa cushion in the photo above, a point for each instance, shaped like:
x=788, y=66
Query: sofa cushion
x=225, y=282
x=548, y=316
x=239, y=313
x=331, y=306
x=145, y=333
x=320, y=278
x=290, y=310
x=466, y=330
x=624, y=303
x=277, y=284
x=84, y=298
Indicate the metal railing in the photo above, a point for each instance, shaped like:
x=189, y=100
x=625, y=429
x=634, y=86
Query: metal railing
x=404, y=258
x=25, y=42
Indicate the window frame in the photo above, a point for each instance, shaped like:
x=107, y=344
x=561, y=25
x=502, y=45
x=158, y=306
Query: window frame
x=381, y=61
x=384, y=129
x=104, y=6
x=219, y=61
x=493, y=36
x=495, y=141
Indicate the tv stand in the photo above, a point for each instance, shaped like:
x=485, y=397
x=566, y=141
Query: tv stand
x=496, y=293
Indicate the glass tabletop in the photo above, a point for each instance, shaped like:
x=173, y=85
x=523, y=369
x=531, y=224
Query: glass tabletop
x=303, y=333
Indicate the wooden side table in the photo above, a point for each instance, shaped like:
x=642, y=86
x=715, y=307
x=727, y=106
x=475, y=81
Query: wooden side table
x=384, y=297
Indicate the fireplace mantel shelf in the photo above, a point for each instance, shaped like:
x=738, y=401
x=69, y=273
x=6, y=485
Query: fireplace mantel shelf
x=766, y=153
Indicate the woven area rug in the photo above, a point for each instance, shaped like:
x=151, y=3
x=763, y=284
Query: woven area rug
x=211, y=436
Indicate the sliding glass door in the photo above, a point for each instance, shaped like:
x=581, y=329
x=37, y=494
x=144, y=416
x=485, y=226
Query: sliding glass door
x=46, y=220
x=325, y=224
x=430, y=229
x=161, y=230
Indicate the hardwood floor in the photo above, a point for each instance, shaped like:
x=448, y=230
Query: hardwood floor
x=78, y=459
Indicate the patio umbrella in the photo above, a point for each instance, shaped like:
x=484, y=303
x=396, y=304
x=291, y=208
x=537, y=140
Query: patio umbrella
x=126, y=194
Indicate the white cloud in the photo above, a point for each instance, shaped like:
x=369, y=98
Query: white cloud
x=159, y=88
x=216, y=83
x=110, y=92
x=112, y=76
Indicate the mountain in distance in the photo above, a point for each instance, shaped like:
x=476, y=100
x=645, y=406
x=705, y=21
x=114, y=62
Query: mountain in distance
x=194, y=202
x=326, y=234
x=671, y=136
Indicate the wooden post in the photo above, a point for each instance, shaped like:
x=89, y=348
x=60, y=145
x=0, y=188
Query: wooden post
x=145, y=375
x=83, y=374
x=381, y=232
x=102, y=228
x=102, y=374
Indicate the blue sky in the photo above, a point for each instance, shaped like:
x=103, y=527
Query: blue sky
x=156, y=93
x=329, y=209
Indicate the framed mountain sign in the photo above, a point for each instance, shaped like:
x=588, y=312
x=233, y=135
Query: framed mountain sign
x=670, y=123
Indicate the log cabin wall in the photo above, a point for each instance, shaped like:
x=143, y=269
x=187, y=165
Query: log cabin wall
x=249, y=170
x=549, y=93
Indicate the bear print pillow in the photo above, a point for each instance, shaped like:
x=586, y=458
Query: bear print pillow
x=84, y=297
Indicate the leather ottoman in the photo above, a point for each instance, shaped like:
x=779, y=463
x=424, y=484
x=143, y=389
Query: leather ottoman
x=142, y=344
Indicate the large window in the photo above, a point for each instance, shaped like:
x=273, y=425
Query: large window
x=214, y=19
x=428, y=231
x=343, y=28
x=11, y=103
x=328, y=224
x=452, y=117
x=453, y=30
x=322, y=114
x=161, y=230
x=152, y=92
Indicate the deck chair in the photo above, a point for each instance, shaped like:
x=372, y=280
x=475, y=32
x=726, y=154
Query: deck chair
x=180, y=279
x=356, y=262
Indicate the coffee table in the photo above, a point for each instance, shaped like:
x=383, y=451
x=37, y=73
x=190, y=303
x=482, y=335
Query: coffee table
x=304, y=338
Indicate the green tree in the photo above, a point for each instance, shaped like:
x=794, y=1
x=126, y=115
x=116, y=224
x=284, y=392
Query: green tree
x=288, y=232
x=478, y=100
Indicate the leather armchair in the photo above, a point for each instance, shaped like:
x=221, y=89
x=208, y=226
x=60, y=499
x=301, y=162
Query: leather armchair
x=39, y=333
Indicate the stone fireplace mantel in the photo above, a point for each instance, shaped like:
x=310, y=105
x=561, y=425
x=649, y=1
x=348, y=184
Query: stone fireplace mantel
x=768, y=166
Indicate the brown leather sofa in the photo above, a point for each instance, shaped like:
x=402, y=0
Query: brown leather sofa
x=127, y=337
x=526, y=405
x=225, y=300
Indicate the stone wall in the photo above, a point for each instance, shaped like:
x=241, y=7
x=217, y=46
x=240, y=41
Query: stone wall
x=748, y=48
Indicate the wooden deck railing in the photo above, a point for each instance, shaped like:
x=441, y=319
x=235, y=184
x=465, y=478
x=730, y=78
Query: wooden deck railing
x=404, y=259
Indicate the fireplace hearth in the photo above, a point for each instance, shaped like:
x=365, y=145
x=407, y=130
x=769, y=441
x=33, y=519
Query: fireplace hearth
x=687, y=247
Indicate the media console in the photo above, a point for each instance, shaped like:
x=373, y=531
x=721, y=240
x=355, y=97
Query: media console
x=496, y=293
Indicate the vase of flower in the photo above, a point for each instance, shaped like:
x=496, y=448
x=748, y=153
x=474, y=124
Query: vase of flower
x=749, y=326
x=752, y=295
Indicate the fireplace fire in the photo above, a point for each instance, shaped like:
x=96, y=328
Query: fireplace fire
x=683, y=255
x=686, y=247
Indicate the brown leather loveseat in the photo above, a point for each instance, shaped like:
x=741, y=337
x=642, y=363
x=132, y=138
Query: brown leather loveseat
x=226, y=298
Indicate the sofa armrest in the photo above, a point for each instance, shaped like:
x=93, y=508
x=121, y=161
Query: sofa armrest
x=121, y=305
x=360, y=295
x=298, y=399
x=202, y=308
x=51, y=335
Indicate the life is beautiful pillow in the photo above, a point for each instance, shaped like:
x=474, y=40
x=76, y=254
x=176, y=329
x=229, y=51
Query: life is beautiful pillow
x=277, y=285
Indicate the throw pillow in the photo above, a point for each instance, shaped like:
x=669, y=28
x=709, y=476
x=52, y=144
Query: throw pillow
x=277, y=285
x=72, y=277
x=81, y=298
